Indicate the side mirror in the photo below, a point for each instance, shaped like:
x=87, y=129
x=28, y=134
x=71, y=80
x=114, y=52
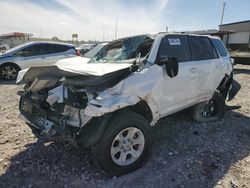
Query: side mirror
x=171, y=66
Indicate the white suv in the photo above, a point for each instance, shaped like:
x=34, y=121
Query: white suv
x=111, y=102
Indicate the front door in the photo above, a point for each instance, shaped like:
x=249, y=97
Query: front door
x=180, y=91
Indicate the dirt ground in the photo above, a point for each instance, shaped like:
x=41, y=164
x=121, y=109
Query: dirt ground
x=185, y=154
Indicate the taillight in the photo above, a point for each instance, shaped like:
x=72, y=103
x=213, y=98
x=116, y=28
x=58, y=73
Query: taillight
x=78, y=53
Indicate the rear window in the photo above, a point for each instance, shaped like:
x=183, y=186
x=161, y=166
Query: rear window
x=175, y=46
x=57, y=48
x=220, y=48
x=201, y=48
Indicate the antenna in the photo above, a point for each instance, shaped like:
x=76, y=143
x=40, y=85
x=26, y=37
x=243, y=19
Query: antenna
x=223, y=11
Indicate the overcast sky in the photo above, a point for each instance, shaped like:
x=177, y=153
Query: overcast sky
x=90, y=19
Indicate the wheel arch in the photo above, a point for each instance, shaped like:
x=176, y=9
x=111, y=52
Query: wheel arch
x=92, y=131
x=10, y=63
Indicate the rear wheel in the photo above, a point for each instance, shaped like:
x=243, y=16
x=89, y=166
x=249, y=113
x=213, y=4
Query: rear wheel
x=9, y=71
x=125, y=144
x=212, y=110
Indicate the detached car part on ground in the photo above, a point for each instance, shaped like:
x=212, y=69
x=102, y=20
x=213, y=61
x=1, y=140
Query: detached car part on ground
x=110, y=103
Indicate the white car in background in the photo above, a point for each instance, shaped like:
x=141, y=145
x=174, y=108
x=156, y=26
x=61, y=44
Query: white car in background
x=33, y=54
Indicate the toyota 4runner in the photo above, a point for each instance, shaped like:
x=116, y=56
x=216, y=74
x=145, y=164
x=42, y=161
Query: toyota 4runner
x=110, y=103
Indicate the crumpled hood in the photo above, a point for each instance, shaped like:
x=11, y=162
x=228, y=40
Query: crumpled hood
x=95, y=69
x=70, y=70
x=73, y=60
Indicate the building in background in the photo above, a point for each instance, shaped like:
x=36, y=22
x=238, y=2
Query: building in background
x=237, y=36
x=15, y=38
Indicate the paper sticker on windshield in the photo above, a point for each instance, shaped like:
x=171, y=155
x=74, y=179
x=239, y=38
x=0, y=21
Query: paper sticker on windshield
x=174, y=41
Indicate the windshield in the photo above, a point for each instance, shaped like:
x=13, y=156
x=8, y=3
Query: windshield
x=124, y=49
x=92, y=53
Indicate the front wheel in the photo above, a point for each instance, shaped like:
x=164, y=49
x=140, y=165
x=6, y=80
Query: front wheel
x=212, y=110
x=9, y=71
x=125, y=144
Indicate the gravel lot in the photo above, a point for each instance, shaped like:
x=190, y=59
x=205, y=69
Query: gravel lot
x=185, y=154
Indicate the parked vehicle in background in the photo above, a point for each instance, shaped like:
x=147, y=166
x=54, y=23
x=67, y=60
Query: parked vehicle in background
x=82, y=59
x=84, y=48
x=33, y=54
x=111, y=103
x=3, y=47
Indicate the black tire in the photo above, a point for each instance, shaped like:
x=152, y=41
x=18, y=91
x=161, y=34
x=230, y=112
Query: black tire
x=102, y=150
x=14, y=69
x=201, y=113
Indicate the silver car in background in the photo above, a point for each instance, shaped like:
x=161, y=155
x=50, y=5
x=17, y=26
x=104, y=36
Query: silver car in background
x=33, y=54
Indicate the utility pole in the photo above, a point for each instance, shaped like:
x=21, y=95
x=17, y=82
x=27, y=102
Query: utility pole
x=223, y=11
x=103, y=35
x=115, y=28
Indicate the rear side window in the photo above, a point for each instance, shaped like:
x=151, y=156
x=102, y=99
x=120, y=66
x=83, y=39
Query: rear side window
x=57, y=48
x=201, y=48
x=175, y=46
x=220, y=48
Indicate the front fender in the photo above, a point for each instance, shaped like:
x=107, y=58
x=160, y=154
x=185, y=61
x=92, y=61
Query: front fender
x=129, y=92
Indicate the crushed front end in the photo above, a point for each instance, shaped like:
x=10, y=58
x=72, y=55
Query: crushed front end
x=56, y=105
x=57, y=111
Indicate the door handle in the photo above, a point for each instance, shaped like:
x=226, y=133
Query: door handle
x=193, y=70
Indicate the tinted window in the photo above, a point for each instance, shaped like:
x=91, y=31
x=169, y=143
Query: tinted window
x=33, y=50
x=175, y=46
x=201, y=48
x=219, y=47
x=56, y=48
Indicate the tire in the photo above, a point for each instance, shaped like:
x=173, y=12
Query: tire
x=111, y=160
x=9, y=71
x=211, y=110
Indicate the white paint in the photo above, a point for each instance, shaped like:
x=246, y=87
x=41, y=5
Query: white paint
x=96, y=69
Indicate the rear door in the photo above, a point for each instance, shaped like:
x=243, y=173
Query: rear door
x=180, y=91
x=206, y=59
x=57, y=52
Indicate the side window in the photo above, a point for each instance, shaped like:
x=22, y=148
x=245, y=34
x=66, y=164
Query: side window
x=34, y=50
x=57, y=48
x=201, y=48
x=220, y=48
x=176, y=46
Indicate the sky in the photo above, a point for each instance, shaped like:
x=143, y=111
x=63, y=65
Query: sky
x=96, y=19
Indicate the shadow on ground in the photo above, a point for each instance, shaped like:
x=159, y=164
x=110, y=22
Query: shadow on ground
x=185, y=154
x=5, y=82
x=241, y=71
